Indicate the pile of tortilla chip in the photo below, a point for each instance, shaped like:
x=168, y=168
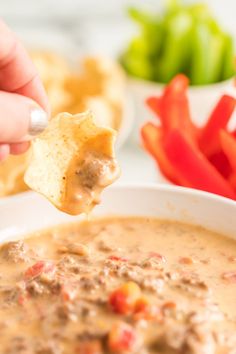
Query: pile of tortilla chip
x=95, y=83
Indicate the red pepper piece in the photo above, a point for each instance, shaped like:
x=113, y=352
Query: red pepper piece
x=221, y=163
x=174, y=108
x=117, y=258
x=234, y=133
x=122, y=338
x=155, y=104
x=68, y=292
x=177, y=85
x=228, y=143
x=209, y=139
x=152, y=137
x=123, y=299
x=39, y=268
x=232, y=180
x=145, y=309
x=176, y=88
x=193, y=166
x=22, y=299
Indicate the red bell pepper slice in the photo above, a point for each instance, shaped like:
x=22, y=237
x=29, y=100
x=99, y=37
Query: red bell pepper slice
x=178, y=85
x=232, y=180
x=228, y=143
x=155, y=104
x=194, y=167
x=234, y=133
x=38, y=268
x=172, y=107
x=221, y=163
x=209, y=140
x=152, y=137
x=175, y=108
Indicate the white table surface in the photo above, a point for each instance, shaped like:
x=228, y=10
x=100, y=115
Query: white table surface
x=137, y=166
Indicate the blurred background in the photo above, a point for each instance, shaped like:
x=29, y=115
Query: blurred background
x=77, y=34
x=94, y=25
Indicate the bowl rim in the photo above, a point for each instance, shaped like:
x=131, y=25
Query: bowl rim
x=127, y=121
x=177, y=190
x=139, y=81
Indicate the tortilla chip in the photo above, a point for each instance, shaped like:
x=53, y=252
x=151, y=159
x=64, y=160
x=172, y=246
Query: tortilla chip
x=73, y=161
x=12, y=173
x=53, y=70
x=52, y=67
x=99, y=86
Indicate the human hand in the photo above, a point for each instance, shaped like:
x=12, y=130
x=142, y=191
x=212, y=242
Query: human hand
x=24, y=107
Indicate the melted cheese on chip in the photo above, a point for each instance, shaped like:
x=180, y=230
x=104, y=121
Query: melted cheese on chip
x=72, y=162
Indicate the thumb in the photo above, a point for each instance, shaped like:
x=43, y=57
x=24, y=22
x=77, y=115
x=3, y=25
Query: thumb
x=20, y=118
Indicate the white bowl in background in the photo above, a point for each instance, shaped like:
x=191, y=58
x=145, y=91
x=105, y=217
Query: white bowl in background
x=25, y=213
x=62, y=43
x=127, y=122
x=202, y=99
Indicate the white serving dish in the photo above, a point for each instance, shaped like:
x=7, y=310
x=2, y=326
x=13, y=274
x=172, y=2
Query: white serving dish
x=25, y=213
x=58, y=41
x=127, y=122
x=202, y=99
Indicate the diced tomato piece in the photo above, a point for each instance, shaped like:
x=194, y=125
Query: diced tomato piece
x=122, y=338
x=117, y=258
x=22, y=298
x=89, y=347
x=186, y=260
x=144, y=309
x=39, y=268
x=210, y=139
x=157, y=256
x=152, y=137
x=193, y=166
x=68, y=292
x=122, y=300
x=228, y=143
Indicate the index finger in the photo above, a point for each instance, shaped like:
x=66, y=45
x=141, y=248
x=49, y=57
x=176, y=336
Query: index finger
x=17, y=72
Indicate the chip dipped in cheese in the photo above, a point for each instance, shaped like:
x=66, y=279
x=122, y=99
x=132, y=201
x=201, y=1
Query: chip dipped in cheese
x=72, y=162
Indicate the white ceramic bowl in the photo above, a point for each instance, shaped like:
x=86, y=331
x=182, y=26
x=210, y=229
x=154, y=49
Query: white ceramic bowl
x=202, y=99
x=59, y=42
x=28, y=212
x=127, y=122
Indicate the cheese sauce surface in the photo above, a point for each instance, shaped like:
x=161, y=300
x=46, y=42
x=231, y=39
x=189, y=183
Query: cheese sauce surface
x=119, y=285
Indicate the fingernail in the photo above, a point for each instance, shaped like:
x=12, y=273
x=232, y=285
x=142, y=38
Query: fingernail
x=38, y=121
